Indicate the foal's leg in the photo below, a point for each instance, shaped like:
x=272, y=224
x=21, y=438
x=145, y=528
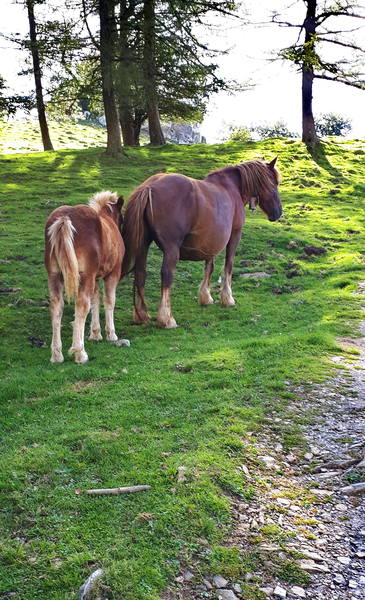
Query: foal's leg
x=140, y=314
x=82, y=307
x=56, y=308
x=204, y=290
x=226, y=290
x=164, y=316
x=95, y=331
x=110, y=284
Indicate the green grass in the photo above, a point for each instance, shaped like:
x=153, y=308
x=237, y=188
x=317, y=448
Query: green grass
x=185, y=397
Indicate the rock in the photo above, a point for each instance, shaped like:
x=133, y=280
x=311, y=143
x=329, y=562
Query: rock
x=207, y=584
x=308, y=456
x=219, y=581
x=88, y=588
x=292, y=244
x=297, y=591
x=311, y=566
x=257, y=275
x=353, y=584
x=362, y=580
x=224, y=594
x=360, y=554
x=283, y=501
x=355, y=488
x=179, y=579
x=278, y=448
x=313, y=555
x=188, y=576
x=267, y=590
x=181, y=474
x=269, y=461
x=344, y=560
x=237, y=588
x=279, y=592
x=339, y=579
x=122, y=342
x=323, y=493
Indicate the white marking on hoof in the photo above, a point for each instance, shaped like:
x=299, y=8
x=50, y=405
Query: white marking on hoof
x=111, y=337
x=57, y=357
x=169, y=324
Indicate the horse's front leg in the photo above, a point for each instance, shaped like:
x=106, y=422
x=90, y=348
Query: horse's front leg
x=164, y=316
x=140, y=314
x=205, y=297
x=226, y=290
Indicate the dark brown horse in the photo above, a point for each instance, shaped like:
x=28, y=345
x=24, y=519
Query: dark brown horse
x=191, y=219
x=84, y=244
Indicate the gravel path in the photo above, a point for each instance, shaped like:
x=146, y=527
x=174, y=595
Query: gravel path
x=307, y=529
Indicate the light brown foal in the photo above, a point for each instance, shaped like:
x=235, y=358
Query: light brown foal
x=82, y=245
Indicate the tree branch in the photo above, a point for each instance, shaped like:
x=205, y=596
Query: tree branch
x=352, y=46
x=356, y=84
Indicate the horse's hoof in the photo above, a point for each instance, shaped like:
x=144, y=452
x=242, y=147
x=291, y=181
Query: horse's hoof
x=96, y=337
x=169, y=324
x=140, y=318
x=206, y=301
x=57, y=357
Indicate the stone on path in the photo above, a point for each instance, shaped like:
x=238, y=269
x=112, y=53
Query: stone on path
x=219, y=581
x=226, y=594
x=297, y=591
x=279, y=592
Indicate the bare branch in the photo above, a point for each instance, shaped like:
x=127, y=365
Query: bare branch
x=344, y=44
x=356, y=84
x=336, y=13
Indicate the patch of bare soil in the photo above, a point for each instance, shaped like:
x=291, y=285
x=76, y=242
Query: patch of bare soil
x=306, y=527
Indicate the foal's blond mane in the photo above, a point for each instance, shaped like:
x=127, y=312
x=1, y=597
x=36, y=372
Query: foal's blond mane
x=102, y=199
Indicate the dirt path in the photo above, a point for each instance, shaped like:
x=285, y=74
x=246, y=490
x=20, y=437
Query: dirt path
x=308, y=533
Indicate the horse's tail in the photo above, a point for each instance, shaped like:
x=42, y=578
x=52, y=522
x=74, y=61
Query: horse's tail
x=61, y=238
x=134, y=226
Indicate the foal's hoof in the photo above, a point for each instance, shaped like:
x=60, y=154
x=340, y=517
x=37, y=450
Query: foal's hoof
x=80, y=355
x=169, y=324
x=95, y=336
x=111, y=337
x=227, y=301
x=57, y=357
x=206, y=301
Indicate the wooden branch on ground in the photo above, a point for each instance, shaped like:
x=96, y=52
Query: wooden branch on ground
x=116, y=491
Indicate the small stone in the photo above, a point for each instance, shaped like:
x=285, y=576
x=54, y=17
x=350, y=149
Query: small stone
x=298, y=591
x=344, y=560
x=201, y=587
x=355, y=488
x=339, y=579
x=125, y=371
x=269, y=461
x=237, y=587
x=291, y=458
x=341, y=507
x=283, y=501
x=267, y=590
x=207, y=584
x=308, y=456
x=122, y=342
x=245, y=470
x=353, y=584
x=179, y=579
x=313, y=555
x=219, y=581
x=257, y=275
x=249, y=576
x=323, y=493
x=188, y=576
x=362, y=580
x=278, y=448
x=361, y=532
x=226, y=594
x=360, y=554
x=292, y=244
x=279, y=592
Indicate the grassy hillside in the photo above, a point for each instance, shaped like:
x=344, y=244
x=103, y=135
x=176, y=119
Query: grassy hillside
x=197, y=396
x=22, y=135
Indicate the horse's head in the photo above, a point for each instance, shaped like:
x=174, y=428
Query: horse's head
x=260, y=182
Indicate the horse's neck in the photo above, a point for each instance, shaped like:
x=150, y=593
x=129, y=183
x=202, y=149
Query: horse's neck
x=229, y=178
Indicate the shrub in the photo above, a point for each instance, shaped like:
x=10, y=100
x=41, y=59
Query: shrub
x=332, y=124
x=278, y=129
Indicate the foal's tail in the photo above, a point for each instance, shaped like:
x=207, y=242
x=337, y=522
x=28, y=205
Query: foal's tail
x=61, y=238
x=134, y=226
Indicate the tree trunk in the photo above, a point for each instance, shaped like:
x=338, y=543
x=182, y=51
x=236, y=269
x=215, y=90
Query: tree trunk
x=140, y=116
x=107, y=57
x=47, y=144
x=149, y=73
x=309, y=136
x=125, y=65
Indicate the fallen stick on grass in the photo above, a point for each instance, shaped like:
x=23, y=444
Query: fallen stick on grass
x=87, y=588
x=118, y=490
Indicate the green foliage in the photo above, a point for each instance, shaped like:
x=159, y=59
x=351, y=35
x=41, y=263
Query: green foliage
x=130, y=416
x=10, y=104
x=332, y=124
x=240, y=134
x=276, y=130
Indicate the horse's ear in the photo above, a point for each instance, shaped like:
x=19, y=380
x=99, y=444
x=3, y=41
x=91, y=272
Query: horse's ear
x=120, y=202
x=272, y=164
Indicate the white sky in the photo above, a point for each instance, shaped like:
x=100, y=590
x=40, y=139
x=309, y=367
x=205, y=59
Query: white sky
x=276, y=95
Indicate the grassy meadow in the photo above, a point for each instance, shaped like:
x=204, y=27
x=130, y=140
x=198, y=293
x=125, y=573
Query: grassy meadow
x=198, y=396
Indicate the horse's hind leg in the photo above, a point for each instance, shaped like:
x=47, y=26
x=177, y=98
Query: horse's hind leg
x=110, y=284
x=56, y=308
x=140, y=314
x=95, y=331
x=164, y=316
x=82, y=307
x=204, y=290
x=226, y=290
